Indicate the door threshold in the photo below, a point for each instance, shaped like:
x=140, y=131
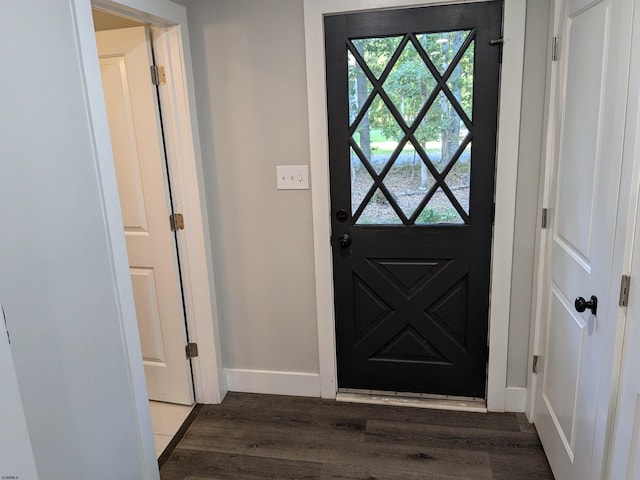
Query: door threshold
x=416, y=400
x=166, y=452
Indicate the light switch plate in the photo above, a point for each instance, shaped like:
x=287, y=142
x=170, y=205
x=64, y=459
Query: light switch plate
x=293, y=177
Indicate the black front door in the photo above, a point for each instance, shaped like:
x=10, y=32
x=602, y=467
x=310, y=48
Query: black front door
x=412, y=105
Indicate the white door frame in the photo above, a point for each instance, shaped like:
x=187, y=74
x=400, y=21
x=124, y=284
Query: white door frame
x=542, y=253
x=506, y=174
x=171, y=47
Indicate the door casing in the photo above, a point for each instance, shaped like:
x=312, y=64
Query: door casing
x=505, y=196
x=171, y=49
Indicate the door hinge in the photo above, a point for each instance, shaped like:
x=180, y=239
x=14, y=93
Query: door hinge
x=177, y=222
x=498, y=42
x=555, y=49
x=545, y=217
x=625, y=282
x=157, y=75
x=192, y=350
x=534, y=368
x=493, y=213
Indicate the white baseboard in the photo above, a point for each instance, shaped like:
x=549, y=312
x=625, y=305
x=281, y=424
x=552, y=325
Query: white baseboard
x=515, y=399
x=273, y=382
x=308, y=385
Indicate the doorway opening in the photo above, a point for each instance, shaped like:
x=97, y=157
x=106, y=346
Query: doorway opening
x=498, y=396
x=133, y=104
x=412, y=101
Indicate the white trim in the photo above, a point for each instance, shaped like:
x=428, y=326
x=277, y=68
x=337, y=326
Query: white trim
x=314, y=53
x=506, y=176
x=172, y=49
x=542, y=253
x=507, y=161
x=194, y=244
x=273, y=382
x=515, y=399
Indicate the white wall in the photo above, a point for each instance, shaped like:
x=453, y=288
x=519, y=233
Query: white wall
x=249, y=69
x=56, y=278
x=250, y=84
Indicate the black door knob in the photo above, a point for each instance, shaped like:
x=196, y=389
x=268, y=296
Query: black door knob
x=344, y=240
x=581, y=304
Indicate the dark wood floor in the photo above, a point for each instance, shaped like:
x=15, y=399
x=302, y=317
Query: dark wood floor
x=267, y=436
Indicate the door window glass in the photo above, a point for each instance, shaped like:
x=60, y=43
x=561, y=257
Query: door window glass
x=410, y=111
x=379, y=211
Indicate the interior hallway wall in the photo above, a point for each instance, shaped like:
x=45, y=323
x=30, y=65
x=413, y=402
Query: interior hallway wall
x=249, y=67
x=57, y=284
x=250, y=79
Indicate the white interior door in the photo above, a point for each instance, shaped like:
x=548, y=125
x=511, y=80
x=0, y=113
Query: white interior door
x=577, y=348
x=125, y=58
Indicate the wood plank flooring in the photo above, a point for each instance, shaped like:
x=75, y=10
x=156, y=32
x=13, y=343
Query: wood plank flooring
x=253, y=436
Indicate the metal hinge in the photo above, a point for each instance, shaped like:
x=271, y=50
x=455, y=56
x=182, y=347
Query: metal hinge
x=493, y=213
x=555, y=49
x=625, y=282
x=534, y=368
x=157, y=75
x=192, y=350
x=498, y=42
x=177, y=222
x=545, y=216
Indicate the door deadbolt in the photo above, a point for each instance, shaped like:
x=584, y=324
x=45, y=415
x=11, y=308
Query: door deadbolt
x=342, y=215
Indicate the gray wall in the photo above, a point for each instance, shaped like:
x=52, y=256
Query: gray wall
x=250, y=79
x=250, y=83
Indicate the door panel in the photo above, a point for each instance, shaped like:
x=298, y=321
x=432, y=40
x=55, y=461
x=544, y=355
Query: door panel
x=566, y=335
x=582, y=126
x=122, y=131
x=412, y=107
x=577, y=347
x=144, y=198
x=145, y=293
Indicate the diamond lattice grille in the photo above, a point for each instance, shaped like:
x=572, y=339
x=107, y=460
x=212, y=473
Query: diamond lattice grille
x=410, y=116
